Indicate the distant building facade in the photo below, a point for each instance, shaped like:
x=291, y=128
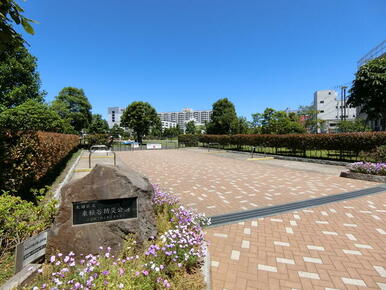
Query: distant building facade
x=332, y=110
x=185, y=116
x=167, y=124
x=114, y=115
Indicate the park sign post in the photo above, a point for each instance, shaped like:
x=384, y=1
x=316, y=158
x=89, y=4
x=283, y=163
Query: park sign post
x=30, y=250
x=153, y=146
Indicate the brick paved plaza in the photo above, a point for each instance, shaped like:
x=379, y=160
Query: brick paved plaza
x=335, y=246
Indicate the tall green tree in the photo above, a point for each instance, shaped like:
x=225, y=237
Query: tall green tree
x=72, y=105
x=277, y=122
x=368, y=91
x=10, y=14
x=36, y=116
x=116, y=131
x=309, y=118
x=223, y=116
x=190, y=127
x=140, y=117
x=98, y=125
x=241, y=126
x=19, y=79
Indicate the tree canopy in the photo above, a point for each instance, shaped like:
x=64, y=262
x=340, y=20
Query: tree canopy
x=33, y=115
x=11, y=13
x=116, y=131
x=19, y=79
x=72, y=104
x=357, y=125
x=223, y=117
x=368, y=91
x=140, y=117
x=190, y=127
x=98, y=125
x=277, y=122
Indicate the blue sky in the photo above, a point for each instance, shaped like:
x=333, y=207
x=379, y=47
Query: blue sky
x=189, y=53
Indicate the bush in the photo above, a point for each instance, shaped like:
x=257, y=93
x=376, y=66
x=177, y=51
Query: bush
x=356, y=142
x=368, y=168
x=20, y=219
x=377, y=155
x=190, y=140
x=27, y=157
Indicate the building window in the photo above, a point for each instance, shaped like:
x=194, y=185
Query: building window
x=353, y=116
x=322, y=102
x=321, y=111
x=329, y=93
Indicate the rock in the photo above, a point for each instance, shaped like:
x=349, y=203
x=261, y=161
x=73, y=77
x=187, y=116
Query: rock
x=102, y=183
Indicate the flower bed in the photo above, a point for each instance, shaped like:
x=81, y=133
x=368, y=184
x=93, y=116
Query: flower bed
x=368, y=168
x=171, y=260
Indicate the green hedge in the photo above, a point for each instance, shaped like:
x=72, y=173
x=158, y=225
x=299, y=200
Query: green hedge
x=26, y=157
x=355, y=142
x=190, y=140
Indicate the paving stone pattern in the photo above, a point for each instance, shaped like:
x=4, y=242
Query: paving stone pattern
x=217, y=185
x=335, y=246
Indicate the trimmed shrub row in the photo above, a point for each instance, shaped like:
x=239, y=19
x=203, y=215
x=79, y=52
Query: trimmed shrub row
x=190, y=140
x=26, y=157
x=355, y=142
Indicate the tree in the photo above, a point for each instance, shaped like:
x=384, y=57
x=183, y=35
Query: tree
x=35, y=116
x=240, y=126
x=116, y=131
x=190, y=127
x=223, y=116
x=368, y=91
x=277, y=122
x=11, y=12
x=357, y=125
x=140, y=117
x=98, y=125
x=19, y=80
x=72, y=104
x=309, y=117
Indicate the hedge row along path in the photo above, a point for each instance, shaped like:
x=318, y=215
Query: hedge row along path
x=339, y=245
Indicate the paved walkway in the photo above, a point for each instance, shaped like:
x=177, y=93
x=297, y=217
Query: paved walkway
x=335, y=246
x=217, y=185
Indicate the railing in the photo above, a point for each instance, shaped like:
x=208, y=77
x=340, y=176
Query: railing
x=100, y=148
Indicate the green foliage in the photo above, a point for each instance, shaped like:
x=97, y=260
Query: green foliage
x=376, y=155
x=98, y=125
x=72, y=105
x=171, y=132
x=11, y=13
x=26, y=157
x=240, y=126
x=140, y=117
x=189, y=140
x=352, y=126
x=223, y=117
x=369, y=89
x=356, y=142
x=310, y=120
x=190, y=128
x=277, y=122
x=116, y=131
x=34, y=116
x=20, y=219
x=19, y=80
x=96, y=139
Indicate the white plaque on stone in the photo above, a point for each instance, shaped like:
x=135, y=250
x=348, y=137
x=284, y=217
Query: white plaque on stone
x=30, y=250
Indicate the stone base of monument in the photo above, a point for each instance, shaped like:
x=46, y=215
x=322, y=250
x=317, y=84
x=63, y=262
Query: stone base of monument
x=101, y=209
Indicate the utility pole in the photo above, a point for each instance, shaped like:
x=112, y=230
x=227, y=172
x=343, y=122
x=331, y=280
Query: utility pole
x=344, y=102
x=341, y=103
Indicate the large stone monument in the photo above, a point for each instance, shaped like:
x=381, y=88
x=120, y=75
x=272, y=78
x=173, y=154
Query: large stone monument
x=101, y=209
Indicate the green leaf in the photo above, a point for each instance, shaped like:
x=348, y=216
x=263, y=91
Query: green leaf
x=27, y=27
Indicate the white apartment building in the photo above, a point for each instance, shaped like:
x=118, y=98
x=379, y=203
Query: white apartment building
x=114, y=115
x=332, y=110
x=186, y=115
x=167, y=124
